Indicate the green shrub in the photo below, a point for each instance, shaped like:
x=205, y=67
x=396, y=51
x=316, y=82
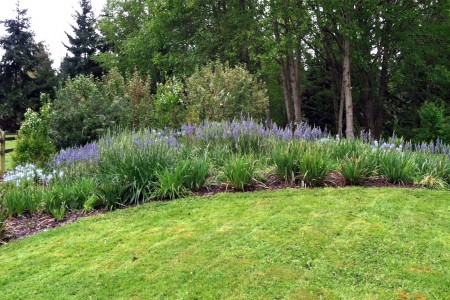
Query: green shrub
x=34, y=144
x=218, y=92
x=170, y=110
x=433, y=123
x=239, y=170
x=82, y=113
x=397, y=167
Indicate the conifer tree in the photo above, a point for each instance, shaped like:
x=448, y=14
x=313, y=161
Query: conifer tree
x=25, y=71
x=83, y=44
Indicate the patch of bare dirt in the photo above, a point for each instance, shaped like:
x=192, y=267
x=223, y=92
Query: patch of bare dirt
x=28, y=224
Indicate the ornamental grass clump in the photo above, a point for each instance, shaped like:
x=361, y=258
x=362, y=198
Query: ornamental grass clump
x=314, y=165
x=397, y=167
x=131, y=161
x=3, y=216
x=286, y=158
x=197, y=171
x=21, y=199
x=171, y=182
x=239, y=170
x=432, y=171
x=355, y=169
x=72, y=191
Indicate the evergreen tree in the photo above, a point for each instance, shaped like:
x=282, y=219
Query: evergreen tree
x=25, y=71
x=83, y=45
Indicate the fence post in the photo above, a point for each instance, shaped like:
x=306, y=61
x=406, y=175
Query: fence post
x=2, y=152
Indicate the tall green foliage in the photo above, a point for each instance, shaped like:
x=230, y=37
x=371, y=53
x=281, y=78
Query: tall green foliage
x=25, y=71
x=217, y=92
x=433, y=123
x=35, y=144
x=83, y=45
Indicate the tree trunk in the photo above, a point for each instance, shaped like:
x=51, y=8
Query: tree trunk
x=346, y=85
x=340, y=124
x=284, y=68
x=295, y=88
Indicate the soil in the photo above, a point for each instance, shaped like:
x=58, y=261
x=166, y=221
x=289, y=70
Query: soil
x=29, y=224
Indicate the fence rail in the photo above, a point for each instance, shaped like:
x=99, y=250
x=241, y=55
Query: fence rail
x=4, y=151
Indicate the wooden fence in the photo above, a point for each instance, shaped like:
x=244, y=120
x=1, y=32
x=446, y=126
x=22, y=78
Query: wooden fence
x=3, y=151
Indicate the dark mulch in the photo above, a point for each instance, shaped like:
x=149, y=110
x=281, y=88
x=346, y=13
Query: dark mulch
x=29, y=224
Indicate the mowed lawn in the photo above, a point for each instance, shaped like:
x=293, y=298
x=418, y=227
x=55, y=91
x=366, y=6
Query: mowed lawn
x=8, y=158
x=351, y=243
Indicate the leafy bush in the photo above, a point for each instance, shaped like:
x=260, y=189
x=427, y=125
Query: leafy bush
x=433, y=123
x=239, y=170
x=82, y=113
x=34, y=144
x=170, y=110
x=218, y=92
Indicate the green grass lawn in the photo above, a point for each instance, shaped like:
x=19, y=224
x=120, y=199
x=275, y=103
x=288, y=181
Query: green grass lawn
x=8, y=159
x=352, y=243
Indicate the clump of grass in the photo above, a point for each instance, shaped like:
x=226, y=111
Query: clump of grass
x=314, y=165
x=132, y=161
x=397, y=167
x=21, y=199
x=285, y=158
x=355, y=169
x=197, y=171
x=72, y=191
x=171, y=183
x=57, y=208
x=433, y=182
x=239, y=170
x=3, y=216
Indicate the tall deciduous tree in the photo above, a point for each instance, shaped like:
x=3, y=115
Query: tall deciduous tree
x=83, y=45
x=25, y=71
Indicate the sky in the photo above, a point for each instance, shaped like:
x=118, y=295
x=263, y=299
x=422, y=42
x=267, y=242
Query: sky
x=48, y=19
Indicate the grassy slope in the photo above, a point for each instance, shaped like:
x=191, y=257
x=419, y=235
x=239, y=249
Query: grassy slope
x=348, y=243
x=8, y=159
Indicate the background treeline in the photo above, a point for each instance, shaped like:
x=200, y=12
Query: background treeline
x=382, y=66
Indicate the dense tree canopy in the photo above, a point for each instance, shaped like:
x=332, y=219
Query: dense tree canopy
x=351, y=65
x=25, y=71
x=346, y=65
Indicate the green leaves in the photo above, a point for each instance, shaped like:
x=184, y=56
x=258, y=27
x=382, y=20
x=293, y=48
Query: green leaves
x=239, y=170
x=218, y=92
